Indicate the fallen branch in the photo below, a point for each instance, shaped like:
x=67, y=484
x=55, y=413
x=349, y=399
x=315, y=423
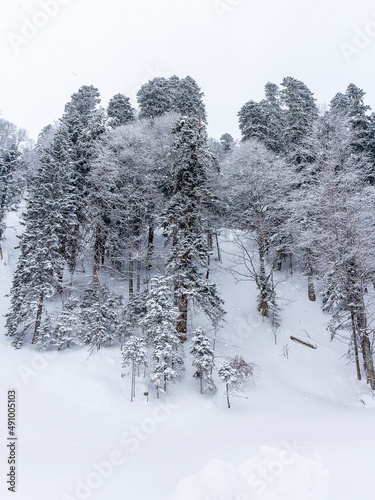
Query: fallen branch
x=304, y=342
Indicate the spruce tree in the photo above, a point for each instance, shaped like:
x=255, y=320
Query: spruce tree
x=203, y=360
x=134, y=355
x=185, y=223
x=120, y=110
x=100, y=315
x=159, y=325
x=40, y=266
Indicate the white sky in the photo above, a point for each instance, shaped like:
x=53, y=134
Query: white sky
x=232, y=48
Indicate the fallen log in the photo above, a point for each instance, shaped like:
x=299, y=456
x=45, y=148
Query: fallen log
x=304, y=342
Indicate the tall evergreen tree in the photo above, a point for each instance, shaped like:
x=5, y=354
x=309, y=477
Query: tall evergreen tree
x=161, y=95
x=159, y=325
x=185, y=223
x=41, y=263
x=301, y=114
x=120, y=110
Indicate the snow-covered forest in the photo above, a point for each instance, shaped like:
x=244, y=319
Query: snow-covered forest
x=143, y=240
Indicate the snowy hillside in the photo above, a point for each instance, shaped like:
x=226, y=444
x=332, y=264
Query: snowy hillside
x=304, y=431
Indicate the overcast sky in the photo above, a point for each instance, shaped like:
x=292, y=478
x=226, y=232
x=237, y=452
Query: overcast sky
x=232, y=48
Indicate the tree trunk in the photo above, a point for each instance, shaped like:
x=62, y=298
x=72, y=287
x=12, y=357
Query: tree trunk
x=218, y=248
x=355, y=342
x=98, y=250
x=366, y=345
x=262, y=282
x=38, y=318
x=310, y=276
x=227, y=386
x=131, y=274
x=60, y=288
x=132, y=391
x=182, y=303
x=367, y=356
x=150, y=249
x=139, y=266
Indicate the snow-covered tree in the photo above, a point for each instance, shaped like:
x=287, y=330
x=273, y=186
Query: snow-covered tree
x=264, y=121
x=185, y=223
x=230, y=378
x=40, y=266
x=161, y=95
x=128, y=178
x=12, y=182
x=159, y=325
x=120, y=110
x=68, y=325
x=257, y=186
x=301, y=114
x=339, y=231
x=100, y=315
x=227, y=142
x=134, y=354
x=203, y=360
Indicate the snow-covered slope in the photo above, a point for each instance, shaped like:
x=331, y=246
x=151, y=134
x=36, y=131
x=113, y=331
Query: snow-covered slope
x=301, y=433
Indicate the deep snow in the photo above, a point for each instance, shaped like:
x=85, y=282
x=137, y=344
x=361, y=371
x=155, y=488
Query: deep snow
x=301, y=433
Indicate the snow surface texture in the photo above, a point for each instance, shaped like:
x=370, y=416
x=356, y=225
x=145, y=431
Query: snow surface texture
x=304, y=431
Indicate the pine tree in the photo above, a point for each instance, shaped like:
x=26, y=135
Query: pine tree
x=185, y=223
x=159, y=325
x=154, y=98
x=68, y=326
x=134, y=355
x=264, y=121
x=12, y=183
x=230, y=378
x=161, y=95
x=227, y=142
x=120, y=110
x=39, y=270
x=187, y=98
x=100, y=315
x=301, y=114
x=203, y=360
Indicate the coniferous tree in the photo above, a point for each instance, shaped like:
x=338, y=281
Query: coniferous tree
x=301, y=114
x=203, y=360
x=161, y=95
x=154, y=98
x=39, y=270
x=227, y=142
x=100, y=315
x=12, y=183
x=120, y=110
x=230, y=378
x=185, y=224
x=159, y=325
x=134, y=355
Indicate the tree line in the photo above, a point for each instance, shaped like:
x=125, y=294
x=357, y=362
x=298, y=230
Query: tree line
x=139, y=198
